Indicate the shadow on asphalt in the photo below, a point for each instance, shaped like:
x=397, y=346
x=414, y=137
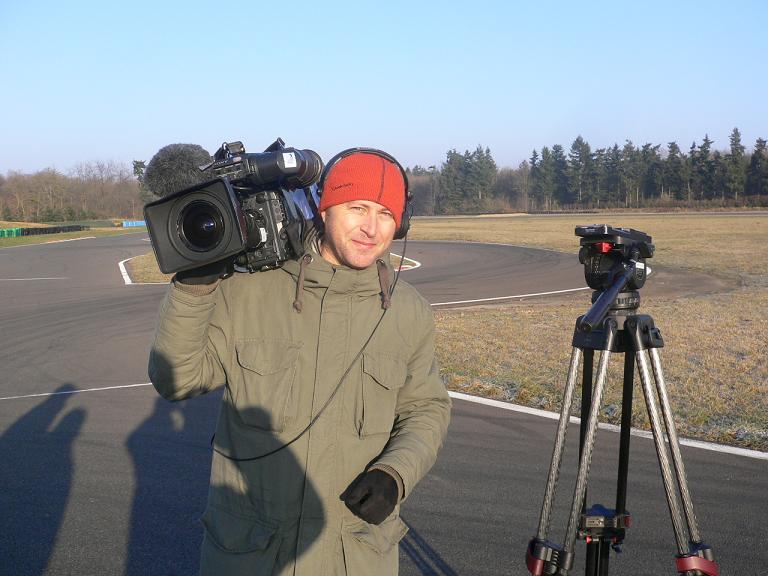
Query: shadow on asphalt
x=171, y=460
x=39, y=484
x=426, y=559
x=171, y=455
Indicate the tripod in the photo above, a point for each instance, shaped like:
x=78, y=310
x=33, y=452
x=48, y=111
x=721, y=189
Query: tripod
x=612, y=325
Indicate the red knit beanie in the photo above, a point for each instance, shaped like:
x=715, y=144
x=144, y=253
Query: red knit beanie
x=365, y=176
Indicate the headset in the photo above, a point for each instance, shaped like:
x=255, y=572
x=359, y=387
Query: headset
x=405, y=221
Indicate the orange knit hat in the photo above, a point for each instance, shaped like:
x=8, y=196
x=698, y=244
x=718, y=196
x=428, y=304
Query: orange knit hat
x=365, y=176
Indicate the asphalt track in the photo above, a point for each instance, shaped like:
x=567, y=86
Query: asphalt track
x=113, y=480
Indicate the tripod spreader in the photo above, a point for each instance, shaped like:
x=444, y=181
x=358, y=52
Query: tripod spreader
x=601, y=523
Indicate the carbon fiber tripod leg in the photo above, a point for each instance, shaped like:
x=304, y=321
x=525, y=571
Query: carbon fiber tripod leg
x=699, y=558
x=589, y=438
x=543, y=556
x=674, y=445
x=693, y=558
x=557, y=451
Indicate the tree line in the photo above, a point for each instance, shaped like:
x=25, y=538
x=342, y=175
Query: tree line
x=583, y=178
x=553, y=179
x=89, y=191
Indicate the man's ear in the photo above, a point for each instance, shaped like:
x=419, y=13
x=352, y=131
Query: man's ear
x=322, y=215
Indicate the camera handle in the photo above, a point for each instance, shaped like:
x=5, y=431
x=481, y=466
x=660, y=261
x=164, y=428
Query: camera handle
x=603, y=528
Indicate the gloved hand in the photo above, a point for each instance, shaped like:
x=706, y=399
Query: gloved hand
x=207, y=274
x=372, y=496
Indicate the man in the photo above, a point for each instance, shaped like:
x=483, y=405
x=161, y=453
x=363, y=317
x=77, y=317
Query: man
x=333, y=407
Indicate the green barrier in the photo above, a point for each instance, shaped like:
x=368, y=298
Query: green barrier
x=10, y=232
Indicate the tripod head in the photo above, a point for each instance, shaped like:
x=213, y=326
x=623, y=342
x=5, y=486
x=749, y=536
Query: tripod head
x=614, y=263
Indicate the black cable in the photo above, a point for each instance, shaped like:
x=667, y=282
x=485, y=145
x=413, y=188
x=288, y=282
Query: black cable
x=335, y=390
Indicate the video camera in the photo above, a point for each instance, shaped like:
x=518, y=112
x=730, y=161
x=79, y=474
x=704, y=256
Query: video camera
x=254, y=209
x=614, y=262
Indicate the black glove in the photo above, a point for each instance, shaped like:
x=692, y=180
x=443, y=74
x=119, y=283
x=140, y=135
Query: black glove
x=372, y=496
x=207, y=274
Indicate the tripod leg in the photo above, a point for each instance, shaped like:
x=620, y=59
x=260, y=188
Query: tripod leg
x=661, y=449
x=674, y=445
x=589, y=439
x=557, y=452
x=626, y=427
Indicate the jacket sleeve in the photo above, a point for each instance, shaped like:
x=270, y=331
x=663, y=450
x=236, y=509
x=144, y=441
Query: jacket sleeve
x=184, y=359
x=422, y=414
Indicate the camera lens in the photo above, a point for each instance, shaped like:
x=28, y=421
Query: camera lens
x=201, y=226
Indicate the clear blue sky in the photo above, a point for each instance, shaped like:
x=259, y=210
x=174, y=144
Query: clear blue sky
x=82, y=81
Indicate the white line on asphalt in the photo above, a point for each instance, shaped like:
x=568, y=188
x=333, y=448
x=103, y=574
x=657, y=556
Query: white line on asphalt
x=70, y=240
x=408, y=263
x=25, y=279
x=127, y=278
x=634, y=431
x=510, y=297
x=75, y=391
x=124, y=272
x=478, y=400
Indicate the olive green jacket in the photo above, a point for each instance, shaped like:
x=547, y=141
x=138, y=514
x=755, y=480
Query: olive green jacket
x=280, y=342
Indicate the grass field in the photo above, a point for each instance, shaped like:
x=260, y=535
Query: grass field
x=43, y=238
x=714, y=358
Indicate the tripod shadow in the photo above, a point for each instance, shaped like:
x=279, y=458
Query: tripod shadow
x=36, y=478
x=426, y=559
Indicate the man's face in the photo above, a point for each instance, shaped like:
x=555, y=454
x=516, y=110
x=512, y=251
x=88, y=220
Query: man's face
x=356, y=233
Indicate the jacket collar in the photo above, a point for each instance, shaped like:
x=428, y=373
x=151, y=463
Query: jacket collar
x=319, y=274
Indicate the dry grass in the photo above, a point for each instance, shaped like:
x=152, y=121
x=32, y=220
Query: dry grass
x=44, y=238
x=720, y=243
x=714, y=361
x=144, y=269
x=7, y=224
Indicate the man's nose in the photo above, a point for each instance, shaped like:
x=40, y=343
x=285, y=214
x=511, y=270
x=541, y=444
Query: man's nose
x=369, y=224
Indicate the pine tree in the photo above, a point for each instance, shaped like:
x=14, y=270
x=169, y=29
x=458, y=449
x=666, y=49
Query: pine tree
x=547, y=178
x=451, y=183
x=736, y=166
x=674, y=171
x=579, y=168
x=757, y=173
x=613, y=174
x=629, y=170
x=560, y=175
x=706, y=168
x=650, y=171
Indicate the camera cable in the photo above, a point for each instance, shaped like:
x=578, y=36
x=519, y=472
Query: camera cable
x=333, y=394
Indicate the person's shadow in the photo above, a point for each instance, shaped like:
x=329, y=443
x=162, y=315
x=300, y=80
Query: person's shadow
x=35, y=480
x=171, y=452
x=172, y=461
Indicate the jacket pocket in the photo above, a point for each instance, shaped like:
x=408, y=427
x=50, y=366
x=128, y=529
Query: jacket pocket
x=265, y=396
x=237, y=545
x=382, y=378
x=372, y=549
x=236, y=534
